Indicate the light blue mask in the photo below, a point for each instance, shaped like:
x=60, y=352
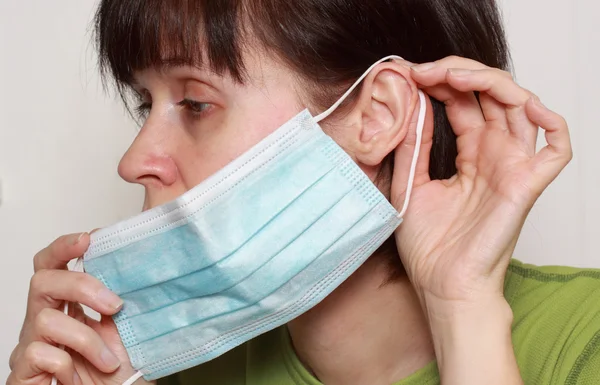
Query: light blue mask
x=254, y=246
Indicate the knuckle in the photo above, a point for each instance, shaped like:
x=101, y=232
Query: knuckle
x=501, y=73
x=82, y=340
x=449, y=61
x=562, y=122
x=50, y=251
x=39, y=281
x=13, y=357
x=83, y=284
x=565, y=155
x=44, y=320
x=81, y=279
x=85, y=287
x=38, y=257
x=506, y=74
x=59, y=241
x=36, y=283
x=33, y=352
x=569, y=155
x=456, y=61
x=60, y=363
x=55, y=247
x=489, y=82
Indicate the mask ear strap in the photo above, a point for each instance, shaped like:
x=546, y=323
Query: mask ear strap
x=133, y=378
x=415, y=159
x=335, y=106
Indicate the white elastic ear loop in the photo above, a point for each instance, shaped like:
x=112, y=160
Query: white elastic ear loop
x=415, y=159
x=78, y=266
x=133, y=378
x=420, y=125
x=341, y=100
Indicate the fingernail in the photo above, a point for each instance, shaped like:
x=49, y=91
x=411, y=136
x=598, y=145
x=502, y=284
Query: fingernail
x=76, y=379
x=76, y=238
x=109, y=359
x=459, y=72
x=423, y=67
x=110, y=299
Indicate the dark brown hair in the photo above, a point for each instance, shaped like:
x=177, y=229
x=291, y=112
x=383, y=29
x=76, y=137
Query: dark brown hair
x=328, y=42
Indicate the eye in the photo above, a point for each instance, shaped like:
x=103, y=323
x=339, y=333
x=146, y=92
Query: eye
x=194, y=107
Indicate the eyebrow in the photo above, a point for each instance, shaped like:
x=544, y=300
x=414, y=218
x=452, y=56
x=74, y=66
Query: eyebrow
x=172, y=65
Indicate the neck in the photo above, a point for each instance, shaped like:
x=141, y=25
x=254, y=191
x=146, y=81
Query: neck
x=365, y=332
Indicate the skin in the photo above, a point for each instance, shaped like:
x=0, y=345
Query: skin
x=455, y=243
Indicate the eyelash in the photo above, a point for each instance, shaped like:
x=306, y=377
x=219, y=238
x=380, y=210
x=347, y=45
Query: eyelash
x=196, y=109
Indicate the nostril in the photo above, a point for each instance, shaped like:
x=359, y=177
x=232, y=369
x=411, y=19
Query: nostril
x=147, y=179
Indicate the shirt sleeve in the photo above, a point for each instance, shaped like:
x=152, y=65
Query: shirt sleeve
x=556, y=328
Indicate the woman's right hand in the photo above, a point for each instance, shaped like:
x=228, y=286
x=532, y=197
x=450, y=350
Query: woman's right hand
x=93, y=351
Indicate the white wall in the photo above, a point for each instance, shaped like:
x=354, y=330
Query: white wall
x=556, y=47
x=60, y=143
x=61, y=138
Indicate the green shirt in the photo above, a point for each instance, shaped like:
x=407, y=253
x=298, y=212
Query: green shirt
x=556, y=337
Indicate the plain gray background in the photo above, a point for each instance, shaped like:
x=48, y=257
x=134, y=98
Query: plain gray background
x=61, y=138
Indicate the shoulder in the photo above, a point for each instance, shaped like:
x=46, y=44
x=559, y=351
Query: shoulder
x=556, y=328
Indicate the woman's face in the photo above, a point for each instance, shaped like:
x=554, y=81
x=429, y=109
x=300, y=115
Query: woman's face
x=196, y=122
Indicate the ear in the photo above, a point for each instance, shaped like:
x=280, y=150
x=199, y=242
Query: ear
x=382, y=115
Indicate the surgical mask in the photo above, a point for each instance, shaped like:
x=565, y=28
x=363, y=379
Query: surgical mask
x=252, y=247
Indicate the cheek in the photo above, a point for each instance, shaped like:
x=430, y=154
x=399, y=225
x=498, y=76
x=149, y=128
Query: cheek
x=249, y=126
x=235, y=132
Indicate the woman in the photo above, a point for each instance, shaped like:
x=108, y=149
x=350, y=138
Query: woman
x=442, y=298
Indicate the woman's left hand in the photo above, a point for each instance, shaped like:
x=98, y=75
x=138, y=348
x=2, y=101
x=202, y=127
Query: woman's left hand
x=459, y=234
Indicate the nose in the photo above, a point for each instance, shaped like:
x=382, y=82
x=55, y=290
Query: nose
x=150, y=162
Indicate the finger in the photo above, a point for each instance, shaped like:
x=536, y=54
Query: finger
x=404, y=154
x=41, y=360
x=436, y=73
x=61, y=251
x=433, y=74
x=462, y=108
x=52, y=326
x=50, y=288
x=502, y=101
x=493, y=111
x=550, y=160
x=492, y=81
x=464, y=114
x=429, y=74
